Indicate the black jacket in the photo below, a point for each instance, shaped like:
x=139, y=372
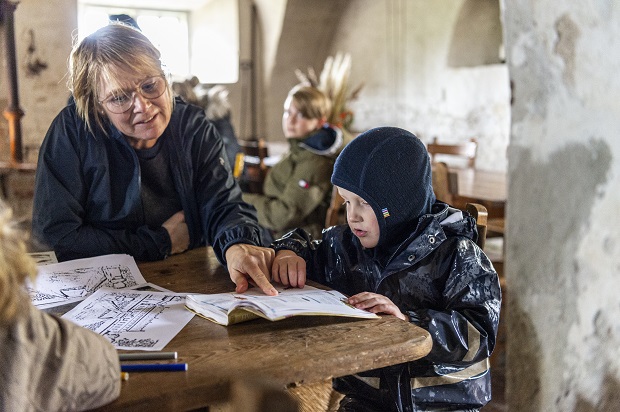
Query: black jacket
x=87, y=190
x=444, y=283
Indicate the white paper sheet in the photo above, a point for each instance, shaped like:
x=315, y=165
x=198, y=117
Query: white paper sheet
x=44, y=258
x=132, y=319
x=72, y=281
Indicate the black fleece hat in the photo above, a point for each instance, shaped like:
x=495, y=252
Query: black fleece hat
x=390, y=169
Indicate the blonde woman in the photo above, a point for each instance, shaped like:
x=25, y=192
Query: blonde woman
x=129, y=169
x=48, y=363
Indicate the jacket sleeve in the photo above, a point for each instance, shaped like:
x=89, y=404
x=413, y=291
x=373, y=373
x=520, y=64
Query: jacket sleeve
x=305, y=186
x=326, y=261
x=225, y=218
x=52, y=364
x=464, y=322
x=67, y=184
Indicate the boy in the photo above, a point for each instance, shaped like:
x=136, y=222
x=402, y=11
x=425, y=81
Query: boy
x=404, y=254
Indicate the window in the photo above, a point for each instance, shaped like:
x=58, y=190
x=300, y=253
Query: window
x=168, y=30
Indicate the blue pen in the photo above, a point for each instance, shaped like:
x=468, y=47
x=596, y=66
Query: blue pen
x=154, y=367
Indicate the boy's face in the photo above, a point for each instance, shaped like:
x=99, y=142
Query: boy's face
x=361, y=218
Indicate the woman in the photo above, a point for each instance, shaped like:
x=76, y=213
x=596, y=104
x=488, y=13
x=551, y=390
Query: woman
x=48, y=363
x=297, y=190
x=127, y=169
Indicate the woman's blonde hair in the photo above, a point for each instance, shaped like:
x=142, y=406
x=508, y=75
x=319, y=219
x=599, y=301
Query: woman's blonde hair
x=15, y=267
x=311, y=102
x=109, y=54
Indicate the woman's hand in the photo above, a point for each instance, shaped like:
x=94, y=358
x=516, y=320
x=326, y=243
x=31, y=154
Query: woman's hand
x=375, y=303
x=248, y=263
x=289, y=269
x=178, y=232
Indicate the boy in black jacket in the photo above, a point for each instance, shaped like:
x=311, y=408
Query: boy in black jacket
x=407, y=255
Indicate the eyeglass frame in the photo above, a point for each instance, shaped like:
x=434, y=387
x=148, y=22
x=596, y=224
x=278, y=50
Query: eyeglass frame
x=132, y=96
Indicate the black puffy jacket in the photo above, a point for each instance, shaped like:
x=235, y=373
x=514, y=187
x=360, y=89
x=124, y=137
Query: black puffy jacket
x=87, y=190
x=445, y=283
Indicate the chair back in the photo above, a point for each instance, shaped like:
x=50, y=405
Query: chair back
x=445, y=183
x=479, y=213
x=254, y=147
x=249, y=168
x=465, y=151
x=334, y=215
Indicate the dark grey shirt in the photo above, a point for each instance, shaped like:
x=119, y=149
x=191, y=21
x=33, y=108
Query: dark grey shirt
x=160, y=199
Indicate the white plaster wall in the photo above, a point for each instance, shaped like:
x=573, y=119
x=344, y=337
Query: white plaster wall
x=563, y=244
x=399, y=52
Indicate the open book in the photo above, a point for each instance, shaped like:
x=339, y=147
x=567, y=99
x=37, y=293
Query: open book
x=229, y=308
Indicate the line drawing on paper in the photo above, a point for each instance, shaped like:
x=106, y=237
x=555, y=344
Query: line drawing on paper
x=133, y=319
x=67, y=282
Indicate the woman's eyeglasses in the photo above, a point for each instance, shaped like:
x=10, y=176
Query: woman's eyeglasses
x=120, y=102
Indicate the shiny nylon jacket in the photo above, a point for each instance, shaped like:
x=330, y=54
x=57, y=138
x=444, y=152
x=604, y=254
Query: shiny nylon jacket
x=87, y=190
x=444, y=283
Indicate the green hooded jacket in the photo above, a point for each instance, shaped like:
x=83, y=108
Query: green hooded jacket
x=297, y=190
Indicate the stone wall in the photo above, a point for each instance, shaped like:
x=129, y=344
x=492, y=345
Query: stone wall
x=400, y=53
x=563, y=245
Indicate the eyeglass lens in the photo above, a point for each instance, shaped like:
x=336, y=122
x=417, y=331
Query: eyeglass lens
x=151, y=88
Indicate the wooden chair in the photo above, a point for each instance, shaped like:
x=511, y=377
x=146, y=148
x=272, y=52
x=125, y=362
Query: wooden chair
x=465, y=151
x=255, y=147
x=250, y=168
x=479, y=213
x=445, y=183
x=335, y=215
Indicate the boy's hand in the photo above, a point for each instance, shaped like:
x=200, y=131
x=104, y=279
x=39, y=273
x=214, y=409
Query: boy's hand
x=289, y=269
x=376, y=303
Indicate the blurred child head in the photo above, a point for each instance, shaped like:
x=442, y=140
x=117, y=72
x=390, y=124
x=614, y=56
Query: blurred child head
x=15, y=266
x=306, y=109
x=386, y=170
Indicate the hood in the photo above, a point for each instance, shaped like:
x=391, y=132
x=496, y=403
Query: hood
x=327, y=141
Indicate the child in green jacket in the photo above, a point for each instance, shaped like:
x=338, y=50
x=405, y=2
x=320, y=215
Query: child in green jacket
x=297, y=190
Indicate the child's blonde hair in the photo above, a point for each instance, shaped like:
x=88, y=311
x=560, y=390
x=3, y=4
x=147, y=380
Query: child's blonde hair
x=15, y=267
x=311, y=102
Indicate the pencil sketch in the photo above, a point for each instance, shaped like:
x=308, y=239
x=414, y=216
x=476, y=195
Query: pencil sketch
x=72, y=281
x=132, y=319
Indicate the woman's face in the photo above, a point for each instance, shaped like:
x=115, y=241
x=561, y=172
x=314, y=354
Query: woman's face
x=146, y=118
x=361, y=219
x=294, y=124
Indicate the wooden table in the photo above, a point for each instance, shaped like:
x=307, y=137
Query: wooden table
x=482, y=186
x=299, y=350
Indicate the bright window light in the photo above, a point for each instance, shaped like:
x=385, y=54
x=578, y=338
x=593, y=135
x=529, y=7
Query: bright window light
x=168, y=30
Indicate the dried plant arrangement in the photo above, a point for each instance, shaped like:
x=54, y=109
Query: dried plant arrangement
x=334, y=82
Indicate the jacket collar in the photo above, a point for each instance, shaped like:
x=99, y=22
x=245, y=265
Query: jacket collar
x=431, y=231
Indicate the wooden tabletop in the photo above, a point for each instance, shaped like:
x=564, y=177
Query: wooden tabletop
x=482, y=184
x=486, y=187
x=298, y=350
